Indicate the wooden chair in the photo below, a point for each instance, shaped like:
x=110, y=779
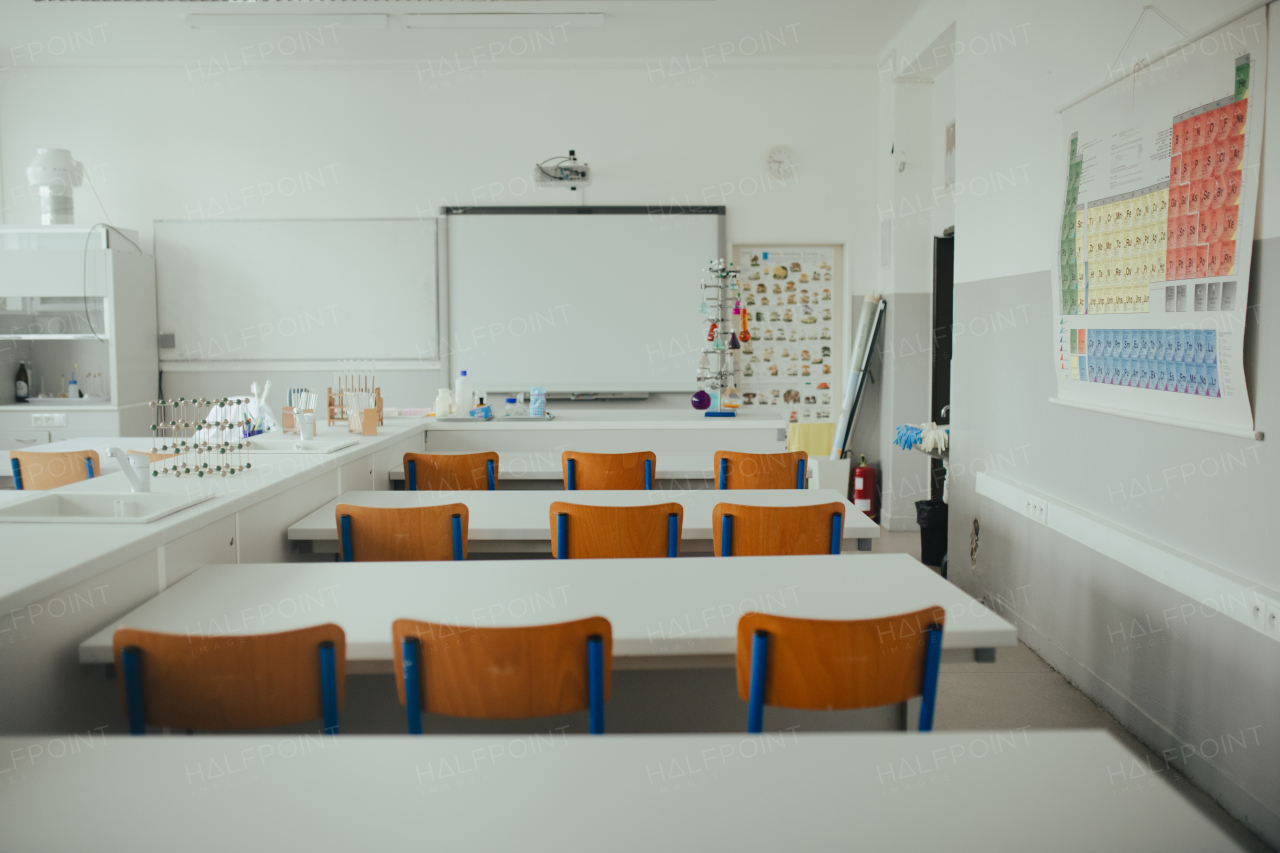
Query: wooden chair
x=608, y=470
x=580, y=531
x=386, y=534
x=760, y=470
x=231, y=683
x=751, y=531
x=434, y=472
x=820, y=664
x=38, y=471
x=503, y=673
x=154, y=457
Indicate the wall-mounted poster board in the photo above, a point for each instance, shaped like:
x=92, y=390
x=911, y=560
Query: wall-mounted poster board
x=793, y=296
x=1154, y=240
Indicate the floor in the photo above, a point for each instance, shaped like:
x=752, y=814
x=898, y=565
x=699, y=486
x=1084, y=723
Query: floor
x=1020, y=690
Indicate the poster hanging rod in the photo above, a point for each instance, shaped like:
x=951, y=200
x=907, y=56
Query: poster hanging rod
x=1194, y=37
x=1252, y=435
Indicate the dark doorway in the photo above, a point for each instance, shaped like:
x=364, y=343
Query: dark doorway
x=944, y=253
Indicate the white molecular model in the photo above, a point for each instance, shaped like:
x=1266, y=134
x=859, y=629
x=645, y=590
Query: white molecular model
x=199, y=436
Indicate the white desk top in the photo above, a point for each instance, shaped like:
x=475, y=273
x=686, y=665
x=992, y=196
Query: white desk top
x=533, y=465
x=523, y=515
x=658, y=607
x=972, y=792
x=42, y=559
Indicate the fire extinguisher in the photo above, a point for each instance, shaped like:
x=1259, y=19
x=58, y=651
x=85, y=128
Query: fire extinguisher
x=864, y=488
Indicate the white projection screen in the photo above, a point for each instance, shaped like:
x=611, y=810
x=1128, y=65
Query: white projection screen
x=579, y=299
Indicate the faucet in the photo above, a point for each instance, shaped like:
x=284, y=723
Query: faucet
x=136, y=468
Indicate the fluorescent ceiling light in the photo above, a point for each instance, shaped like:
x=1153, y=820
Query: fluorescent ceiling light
x=502, y=20
x=255, y=21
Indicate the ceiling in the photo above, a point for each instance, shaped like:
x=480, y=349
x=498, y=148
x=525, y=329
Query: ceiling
x=51, y=33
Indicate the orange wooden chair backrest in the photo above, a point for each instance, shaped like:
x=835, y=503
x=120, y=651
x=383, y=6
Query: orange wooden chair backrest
x=759, y=470
x=502, y=673
x=231, y=683
x=608, y=470
x=776, y=530
x=616, y=531
x=466, y=472
x=821, y=664
x=153, y=456
x=386, y=534
x=50, y=470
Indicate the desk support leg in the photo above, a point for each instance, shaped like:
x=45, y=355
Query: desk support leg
x=864, y=544
x=984, y=655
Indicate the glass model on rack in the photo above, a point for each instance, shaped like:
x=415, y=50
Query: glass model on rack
x=723, y=340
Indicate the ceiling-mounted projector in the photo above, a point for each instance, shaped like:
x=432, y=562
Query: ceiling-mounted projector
x=563, y=172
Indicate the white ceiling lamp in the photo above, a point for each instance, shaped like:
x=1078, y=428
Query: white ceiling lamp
x=239, y=21
x=501, y=20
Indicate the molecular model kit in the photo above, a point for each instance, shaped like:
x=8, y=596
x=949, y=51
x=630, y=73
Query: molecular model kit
x=190, y=436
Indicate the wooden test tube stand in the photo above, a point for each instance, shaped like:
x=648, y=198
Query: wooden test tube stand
x=338, y=410
x=291, y=423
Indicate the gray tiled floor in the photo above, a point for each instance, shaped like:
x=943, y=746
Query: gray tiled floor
x=1020, y=689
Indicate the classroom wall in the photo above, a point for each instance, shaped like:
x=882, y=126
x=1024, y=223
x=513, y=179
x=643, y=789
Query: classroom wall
x=400, y=140
x=1201, y=680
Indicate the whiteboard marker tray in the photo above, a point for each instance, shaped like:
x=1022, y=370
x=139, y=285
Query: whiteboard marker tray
x=293, y=444
x=124, y=508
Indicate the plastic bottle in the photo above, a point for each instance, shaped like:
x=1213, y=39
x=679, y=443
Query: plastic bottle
x=444, y=403
x=512, y=410
x=73, y=390
x=464, y=398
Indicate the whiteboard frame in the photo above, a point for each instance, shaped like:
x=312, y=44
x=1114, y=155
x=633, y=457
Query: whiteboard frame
x=442, y=232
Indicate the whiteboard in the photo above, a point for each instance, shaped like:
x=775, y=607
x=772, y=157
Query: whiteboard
x=579, y=299
x=298, y=290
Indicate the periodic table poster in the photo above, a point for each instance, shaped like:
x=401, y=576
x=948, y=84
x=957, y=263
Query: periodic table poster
x=1154, y=243
x=791, y=296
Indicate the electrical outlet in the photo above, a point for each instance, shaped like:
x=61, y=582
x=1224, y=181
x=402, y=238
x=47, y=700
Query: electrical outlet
x=1038, y=510
x=58, y=420
x=42, y=420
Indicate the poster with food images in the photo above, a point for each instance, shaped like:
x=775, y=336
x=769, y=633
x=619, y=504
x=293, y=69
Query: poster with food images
x=1151, y=281
x=791, y=298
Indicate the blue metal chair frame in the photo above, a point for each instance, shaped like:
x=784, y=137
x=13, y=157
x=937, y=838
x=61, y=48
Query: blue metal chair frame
x=572, y=484
x=562, y=535
x=17, y=471
x=759, y=668
x=411, y=475
x=349, y=557
x=129, y=658
x=724, y=474
x=595, y=685
x=726, y=533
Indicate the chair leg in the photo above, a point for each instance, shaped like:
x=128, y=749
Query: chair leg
x=329, y=688
x=724, y=473
x=648, y=475
x=130, y=663
x=726, y=535
x=837, y=531
x=88, y=466
x=412, y=686
x=562, y=536
x=347, y=556
x=595, y=684
x=759, y=666
x=492, y=479
x=17, y=474
x=800, y=474
x=411, y=475
x=457, y=537
x=673, y=535
x=571, y=484
x=929, y=691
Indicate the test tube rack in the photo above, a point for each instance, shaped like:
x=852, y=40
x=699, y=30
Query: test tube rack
x=199, y=436
x=726, y=291
x=350, y=393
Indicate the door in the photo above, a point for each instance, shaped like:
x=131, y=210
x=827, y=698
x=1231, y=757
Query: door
x=943, y=289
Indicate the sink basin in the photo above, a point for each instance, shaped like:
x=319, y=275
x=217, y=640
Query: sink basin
x=124, y=508
x=293, y=444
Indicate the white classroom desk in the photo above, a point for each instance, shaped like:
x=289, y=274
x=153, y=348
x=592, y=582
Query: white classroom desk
x=972, y=792
x=681, y=466
x=665, y=613
x=519, y=521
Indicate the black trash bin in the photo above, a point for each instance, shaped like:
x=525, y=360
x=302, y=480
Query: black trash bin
x=932, y=518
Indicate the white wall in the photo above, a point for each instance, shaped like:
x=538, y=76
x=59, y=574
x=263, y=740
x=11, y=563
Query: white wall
x=1200, y=679
x=330, y=140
